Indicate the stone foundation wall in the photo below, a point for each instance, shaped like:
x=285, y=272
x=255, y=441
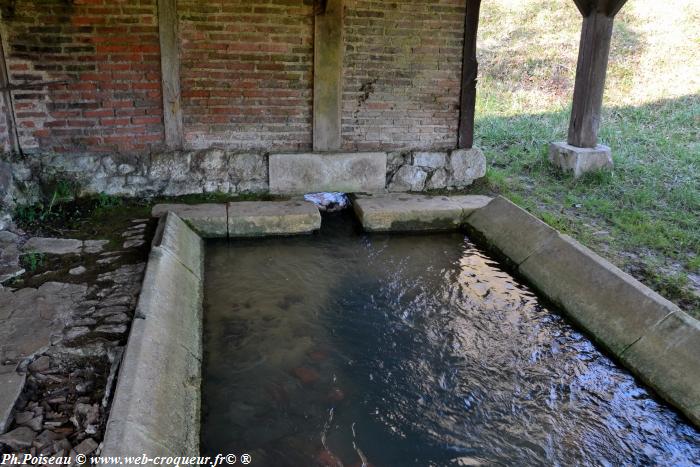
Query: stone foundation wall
x=210, y=171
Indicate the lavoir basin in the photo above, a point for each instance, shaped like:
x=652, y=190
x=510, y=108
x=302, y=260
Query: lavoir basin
x=347, y=348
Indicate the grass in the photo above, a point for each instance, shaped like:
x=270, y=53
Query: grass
x=644, y=216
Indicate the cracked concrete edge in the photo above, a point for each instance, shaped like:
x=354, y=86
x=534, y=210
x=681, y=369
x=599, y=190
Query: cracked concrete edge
x=621, y=314
x=157, y=402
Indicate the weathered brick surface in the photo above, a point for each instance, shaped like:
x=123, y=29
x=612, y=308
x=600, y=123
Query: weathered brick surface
x=107, y=51
x=246, y=73
x=402, y=73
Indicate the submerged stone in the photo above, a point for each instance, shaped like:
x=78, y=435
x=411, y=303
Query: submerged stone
x=306, y=375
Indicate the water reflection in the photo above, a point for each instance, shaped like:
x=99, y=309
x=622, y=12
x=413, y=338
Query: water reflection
x=343, y=348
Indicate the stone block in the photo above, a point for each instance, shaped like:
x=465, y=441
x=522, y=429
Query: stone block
x=667, y=358
x=579, y=161
x=261, y=218
x=431, y=160
x=208, y=220
x=408, y=178
x=309, y=173
x=613, y=307
x=404, y=212
x=510, y=229
x=466, y=165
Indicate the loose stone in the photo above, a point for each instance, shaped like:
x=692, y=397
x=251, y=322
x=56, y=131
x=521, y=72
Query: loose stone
x=77, y=271
x=19, y=438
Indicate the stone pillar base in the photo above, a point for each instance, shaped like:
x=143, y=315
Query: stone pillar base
x=580, y=160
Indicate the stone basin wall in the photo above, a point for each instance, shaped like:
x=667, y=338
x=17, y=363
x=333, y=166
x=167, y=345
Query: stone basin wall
x=178, y=173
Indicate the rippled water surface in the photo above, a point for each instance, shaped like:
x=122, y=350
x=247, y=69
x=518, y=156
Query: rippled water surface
x=343, y=348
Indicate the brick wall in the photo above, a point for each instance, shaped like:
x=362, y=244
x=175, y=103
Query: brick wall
x=402, y=73
x=108, y=52
x=246, y=73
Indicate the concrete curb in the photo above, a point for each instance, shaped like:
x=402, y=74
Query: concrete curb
x=651, y=336
x=396, y=212
x=156, y=406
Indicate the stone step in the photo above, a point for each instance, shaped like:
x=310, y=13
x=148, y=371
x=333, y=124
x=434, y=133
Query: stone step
x=408, y=212
x=246, y=218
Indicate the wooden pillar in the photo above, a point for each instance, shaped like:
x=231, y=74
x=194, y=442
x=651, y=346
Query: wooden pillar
x=470, y=68
x=170, y=72
x=596, y=32
x=328, y=74
x=12, y=134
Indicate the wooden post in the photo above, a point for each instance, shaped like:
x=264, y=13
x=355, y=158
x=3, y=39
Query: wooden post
x=328, y=75
x=470, y=68
x=11, y=123
x=596, y=32
x=170, y=72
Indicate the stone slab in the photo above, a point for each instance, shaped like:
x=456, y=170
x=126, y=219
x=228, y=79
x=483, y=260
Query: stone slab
x=56, y=246
x=209, y=220
x=510, y=229
x=313, y=172
x=156, y=407
x=260, y=218
x=176, y=237
x=11, y=385
x=667, y=358
x=470, y=203
x=612, y=306
x=579, y=161
x=30, y=317
x=403, y=212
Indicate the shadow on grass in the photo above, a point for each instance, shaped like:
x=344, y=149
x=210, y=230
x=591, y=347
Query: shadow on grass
x=644, y=215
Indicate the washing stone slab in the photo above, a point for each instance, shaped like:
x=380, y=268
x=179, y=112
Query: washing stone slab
x=261, y=218
x=611, y=305
x=209, y=220
x=156, y=407
x=315, y=172
x=667, y=358
x=510, y=229
x=176, y=237
x=396, y=212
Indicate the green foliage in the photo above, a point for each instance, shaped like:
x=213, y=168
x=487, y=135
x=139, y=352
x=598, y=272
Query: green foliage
x=33, y=260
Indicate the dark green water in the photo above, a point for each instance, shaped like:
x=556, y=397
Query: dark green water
x=342, y=347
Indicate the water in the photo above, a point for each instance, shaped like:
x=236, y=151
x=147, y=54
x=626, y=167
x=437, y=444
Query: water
x=402, y=350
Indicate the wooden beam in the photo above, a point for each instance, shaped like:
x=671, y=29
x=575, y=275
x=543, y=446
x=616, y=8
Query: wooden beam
x=11, y=123
x=594, y=49
x=170, y=72
x=470, y=67
x=584, y=6
x=328, y=76
x=614, y=7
